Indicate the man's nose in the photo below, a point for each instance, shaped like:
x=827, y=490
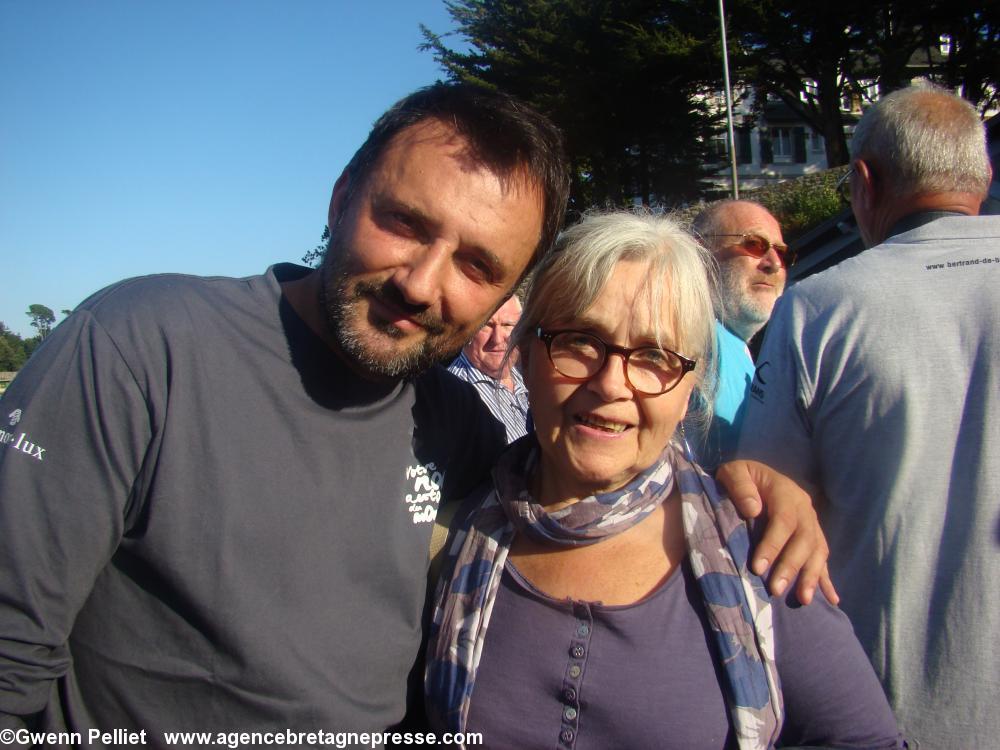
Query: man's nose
x=497, y=338
x=770, y=262
x=422, y=278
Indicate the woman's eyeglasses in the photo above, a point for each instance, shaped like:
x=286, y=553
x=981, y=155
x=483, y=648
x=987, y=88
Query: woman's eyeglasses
x=580, y=356
x=756, y=246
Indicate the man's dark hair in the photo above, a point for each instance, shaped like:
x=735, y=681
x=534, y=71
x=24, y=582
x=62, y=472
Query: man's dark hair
x=505, y=136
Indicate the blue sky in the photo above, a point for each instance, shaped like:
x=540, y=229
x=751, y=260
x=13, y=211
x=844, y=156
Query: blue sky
x=199, y=136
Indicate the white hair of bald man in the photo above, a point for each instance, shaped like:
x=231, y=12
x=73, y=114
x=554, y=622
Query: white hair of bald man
x=924, y=139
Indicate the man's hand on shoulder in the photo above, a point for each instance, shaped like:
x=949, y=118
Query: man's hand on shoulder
x=793, y=543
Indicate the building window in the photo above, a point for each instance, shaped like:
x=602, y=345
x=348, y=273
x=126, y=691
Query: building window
x=816, y=145
x=744, y=151
x=788, y=145
x=781, y=144
x=719, y=147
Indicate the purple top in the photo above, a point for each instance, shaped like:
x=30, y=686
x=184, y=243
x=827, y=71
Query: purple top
x=581, y=675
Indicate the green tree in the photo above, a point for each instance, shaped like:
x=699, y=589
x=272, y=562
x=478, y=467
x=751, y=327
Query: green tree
x=628, y=81
x=315, y=256
x=970, y=61
x=804, y=54
x=31, y=344
x=11, y=359
x=42, y=319
x=812, y=56
x=12, y=351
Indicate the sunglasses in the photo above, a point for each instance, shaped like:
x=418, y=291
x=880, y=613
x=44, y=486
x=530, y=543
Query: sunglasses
x=757, y=246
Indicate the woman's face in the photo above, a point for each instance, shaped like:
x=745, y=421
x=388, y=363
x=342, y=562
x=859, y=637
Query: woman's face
x=598, y=435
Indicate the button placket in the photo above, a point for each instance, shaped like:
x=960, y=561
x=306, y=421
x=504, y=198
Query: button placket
x=579, y=650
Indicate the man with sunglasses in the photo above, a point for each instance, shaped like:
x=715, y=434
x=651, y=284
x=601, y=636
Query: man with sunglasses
x=879, y=386
x=745, y=240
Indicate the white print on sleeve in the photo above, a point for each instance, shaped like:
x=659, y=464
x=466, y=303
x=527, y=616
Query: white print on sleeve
x=21, y=443
x=426, y=496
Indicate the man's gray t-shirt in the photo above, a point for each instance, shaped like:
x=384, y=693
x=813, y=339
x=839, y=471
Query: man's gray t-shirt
x=879, y=384
x=211, y=524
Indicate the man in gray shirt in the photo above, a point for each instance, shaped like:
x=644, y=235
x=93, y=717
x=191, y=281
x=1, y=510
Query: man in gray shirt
x=217, y=494
x=878, y=385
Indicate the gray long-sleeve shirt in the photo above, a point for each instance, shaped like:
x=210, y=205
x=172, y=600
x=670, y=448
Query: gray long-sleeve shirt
x=217, y=526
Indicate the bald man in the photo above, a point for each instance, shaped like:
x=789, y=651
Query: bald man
x=745, y=240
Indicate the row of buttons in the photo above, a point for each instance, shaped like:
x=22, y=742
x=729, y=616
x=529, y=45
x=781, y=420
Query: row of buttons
x=570, y=693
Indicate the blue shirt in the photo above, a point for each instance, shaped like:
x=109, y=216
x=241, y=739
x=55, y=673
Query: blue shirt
x=735, y=373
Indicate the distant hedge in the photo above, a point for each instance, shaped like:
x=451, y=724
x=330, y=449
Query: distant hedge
x=798, y=204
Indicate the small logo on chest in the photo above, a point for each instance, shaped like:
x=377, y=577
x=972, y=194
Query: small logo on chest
x=423, y=501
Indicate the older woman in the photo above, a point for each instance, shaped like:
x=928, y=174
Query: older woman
x=596, y=594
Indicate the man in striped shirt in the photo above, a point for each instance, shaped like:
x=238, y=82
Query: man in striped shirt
x=484, y=363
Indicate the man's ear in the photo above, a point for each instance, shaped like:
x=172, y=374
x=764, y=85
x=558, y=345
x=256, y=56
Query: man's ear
x=338, y=201
x=868, y=188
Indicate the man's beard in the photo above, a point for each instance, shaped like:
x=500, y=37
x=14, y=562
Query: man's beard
x=745, y=312
x=341, y=304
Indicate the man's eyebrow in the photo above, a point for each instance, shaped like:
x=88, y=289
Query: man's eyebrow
x=383, y=202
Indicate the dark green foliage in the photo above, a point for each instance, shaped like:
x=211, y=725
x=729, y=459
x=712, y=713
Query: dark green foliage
x=11, y=358
x=972, y=63
x=628, y=82
x=13, y=350
x=781, y=45
x=860, y=49
x=801, y=204
x=31, y=344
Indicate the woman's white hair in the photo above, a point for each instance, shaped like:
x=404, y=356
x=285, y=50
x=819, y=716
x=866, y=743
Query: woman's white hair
x=679, y=273
x=924, y=139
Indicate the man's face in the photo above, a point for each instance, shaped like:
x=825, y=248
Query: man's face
x=427, y=248
x=748, y=286
x=488, y=347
